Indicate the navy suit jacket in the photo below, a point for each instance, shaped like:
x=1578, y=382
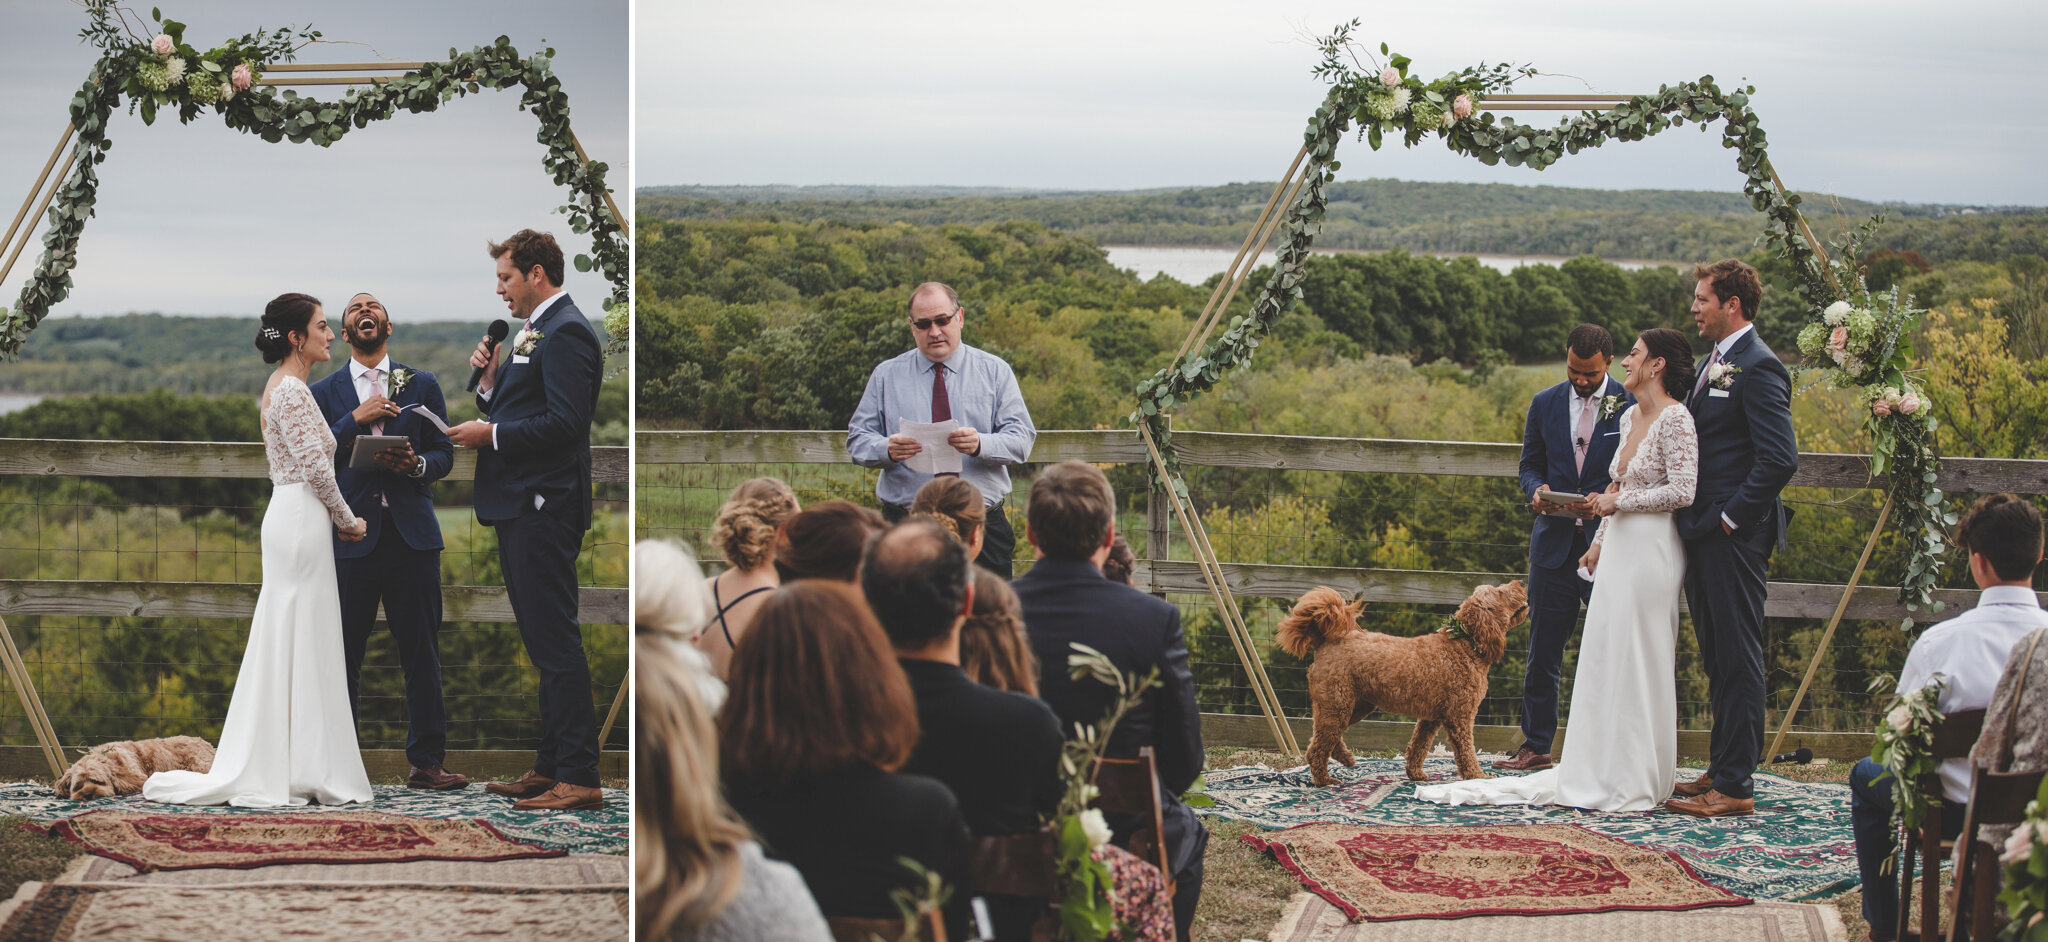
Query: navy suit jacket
x=542, y=405
x=412, y=506
x=1068, y=600
x=1549, y=462
x=1747, y=447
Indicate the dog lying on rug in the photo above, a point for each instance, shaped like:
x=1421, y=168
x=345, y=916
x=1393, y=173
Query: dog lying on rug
x=119, y=768
x=1438, y=678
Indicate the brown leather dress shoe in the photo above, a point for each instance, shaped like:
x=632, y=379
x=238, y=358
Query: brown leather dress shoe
x=1696, y=787
x=436, y=778
x=1713, y=804
x=525, y=786
x=1526, y=759
x=563, y=797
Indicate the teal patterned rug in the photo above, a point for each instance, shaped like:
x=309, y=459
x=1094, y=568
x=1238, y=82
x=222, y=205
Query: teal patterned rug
x=1796, y=848
x=602, y=831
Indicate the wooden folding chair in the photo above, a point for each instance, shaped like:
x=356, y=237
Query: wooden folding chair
x=1995, y=798
x=1952, y=740
x=1025, y=865
x=1131, y=786
x=931, y=928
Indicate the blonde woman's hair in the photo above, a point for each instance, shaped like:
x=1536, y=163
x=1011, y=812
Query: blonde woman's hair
x=670, y=595
x=993, y=651
x=744, y=530
x=954, y=504
x=688, y=868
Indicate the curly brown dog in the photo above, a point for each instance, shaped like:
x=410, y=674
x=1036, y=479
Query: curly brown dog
x=119, y=768
x=1437, y=678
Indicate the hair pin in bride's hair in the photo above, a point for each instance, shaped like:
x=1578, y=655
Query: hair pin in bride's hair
x=271, y=333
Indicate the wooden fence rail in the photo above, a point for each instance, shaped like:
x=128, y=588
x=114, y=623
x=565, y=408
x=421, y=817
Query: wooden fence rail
x=118, y=459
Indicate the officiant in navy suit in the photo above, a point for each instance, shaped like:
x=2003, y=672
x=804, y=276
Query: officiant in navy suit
x=1568, y=442
x=397, y=563
x=533, y=486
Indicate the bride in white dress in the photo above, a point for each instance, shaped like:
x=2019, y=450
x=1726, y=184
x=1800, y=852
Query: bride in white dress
x=1621, y=747
x=290, y=737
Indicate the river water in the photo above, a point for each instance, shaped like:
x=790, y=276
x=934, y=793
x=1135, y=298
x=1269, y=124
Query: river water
x=15, y=402
x=1194, y=266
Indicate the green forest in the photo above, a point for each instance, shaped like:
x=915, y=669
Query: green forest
x=103, y=679
x=1377, y=215
x=775, y=322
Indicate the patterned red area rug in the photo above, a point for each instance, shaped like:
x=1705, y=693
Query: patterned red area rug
x=1383, y=873
x=184, y=842
x=309, y=912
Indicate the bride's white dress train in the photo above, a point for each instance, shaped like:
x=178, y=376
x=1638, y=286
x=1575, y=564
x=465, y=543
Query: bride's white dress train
x=290, y=738
x=1621, y=743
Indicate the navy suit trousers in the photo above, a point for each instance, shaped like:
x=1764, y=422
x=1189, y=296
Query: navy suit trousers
x=1554, y=599
x=1724, y=587
x=408, y=584
x=537, y=551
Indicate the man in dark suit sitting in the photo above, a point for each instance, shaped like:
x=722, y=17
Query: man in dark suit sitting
x=998, y=751
x=398, y=561
x=1071, y=522
x=533, y=487
x=1567, y=445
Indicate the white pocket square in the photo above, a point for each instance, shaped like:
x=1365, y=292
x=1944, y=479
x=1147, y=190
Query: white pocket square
x=1718, y=393
x=1610, y=433
x=516, y=358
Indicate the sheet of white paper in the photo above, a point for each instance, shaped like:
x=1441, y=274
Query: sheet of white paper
x=431, y=417
x=938, y=457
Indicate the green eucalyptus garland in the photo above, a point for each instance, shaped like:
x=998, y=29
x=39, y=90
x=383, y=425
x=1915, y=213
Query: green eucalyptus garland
x=164, y=73
x=1393, y=102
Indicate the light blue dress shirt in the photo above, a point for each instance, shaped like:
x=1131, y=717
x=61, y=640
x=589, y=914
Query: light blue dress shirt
x=984, y=396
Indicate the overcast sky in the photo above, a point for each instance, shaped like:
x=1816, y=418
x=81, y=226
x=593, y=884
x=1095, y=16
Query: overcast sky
x=198, y=219
x=1875, y=99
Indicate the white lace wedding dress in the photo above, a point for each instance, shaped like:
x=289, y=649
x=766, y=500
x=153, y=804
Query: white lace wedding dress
x=1621, y=742
x=289, y=737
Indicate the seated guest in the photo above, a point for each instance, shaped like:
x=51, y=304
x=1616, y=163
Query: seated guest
x=819, y=718
x=1118, y=566
x=744, y=532
x=993, y=649
x=2002, y=534
x=672, y=605
x=825, y=542
x=955, y=505
x=698, y=875
x=1070, y=520
x=998, y=751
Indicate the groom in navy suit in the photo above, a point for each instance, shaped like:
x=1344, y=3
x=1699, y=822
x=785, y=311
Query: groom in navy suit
x=398, y=561
x=533, y=487
x=1572, y=432
x=1742, y=409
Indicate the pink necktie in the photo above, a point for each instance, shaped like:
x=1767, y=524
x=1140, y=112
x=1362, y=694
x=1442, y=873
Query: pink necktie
x=376, y=386
x=1585, y=440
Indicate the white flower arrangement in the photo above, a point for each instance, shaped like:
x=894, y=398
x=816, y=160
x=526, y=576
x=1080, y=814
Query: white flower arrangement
x=1403, y=95
x=526, y=340
x=175, y=68
x=1722, y=375
x=1096, y=827
x=400, y=378
x=1837, y=314
x=1609, y=407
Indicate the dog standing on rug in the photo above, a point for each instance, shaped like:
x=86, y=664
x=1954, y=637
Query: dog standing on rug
x=1438, y=678
x=119, y=768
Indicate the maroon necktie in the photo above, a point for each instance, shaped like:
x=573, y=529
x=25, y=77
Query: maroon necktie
x=942, y=405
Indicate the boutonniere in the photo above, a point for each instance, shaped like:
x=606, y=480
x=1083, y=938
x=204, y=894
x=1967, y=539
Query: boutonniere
x=1609, y=407
x=400, y=378
x=527, y=339
x=1722, y=375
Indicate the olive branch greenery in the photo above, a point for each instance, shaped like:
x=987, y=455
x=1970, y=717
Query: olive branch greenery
x=1905, y=748
x=1390, y=101
x=190, y=83
x=1085, y=883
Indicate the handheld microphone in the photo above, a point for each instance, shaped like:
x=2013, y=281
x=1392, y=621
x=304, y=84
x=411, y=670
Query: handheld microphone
x=1802, y=756
x=494, y=336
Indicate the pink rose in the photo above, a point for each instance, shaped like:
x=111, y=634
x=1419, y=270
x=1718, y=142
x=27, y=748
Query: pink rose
x=242, y=77
x=1881, y=407
x=162, y=45
x=1462, y=107
x=1910, y=404
x=1390, y=76
x=1838, y=339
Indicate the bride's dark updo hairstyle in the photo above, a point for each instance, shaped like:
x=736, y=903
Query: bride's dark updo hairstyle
x=284, y=314
x=1676, y=352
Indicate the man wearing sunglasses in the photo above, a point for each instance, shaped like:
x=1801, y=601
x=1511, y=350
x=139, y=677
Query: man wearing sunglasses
x=944, y=379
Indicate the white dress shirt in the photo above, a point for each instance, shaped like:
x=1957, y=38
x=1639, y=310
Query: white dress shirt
x=1970, y=651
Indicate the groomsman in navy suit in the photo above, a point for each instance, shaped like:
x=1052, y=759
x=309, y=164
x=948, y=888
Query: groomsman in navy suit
x=533, y=487
x=398, y=562
x=1573, y=430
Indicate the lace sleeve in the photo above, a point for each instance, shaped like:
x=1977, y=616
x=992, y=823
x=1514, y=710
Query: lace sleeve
x=309, y=447
x=1679, y=450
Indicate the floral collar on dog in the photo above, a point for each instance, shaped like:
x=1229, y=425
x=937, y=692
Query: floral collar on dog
x=1455, y=630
